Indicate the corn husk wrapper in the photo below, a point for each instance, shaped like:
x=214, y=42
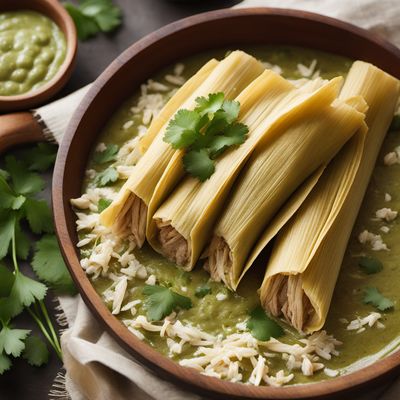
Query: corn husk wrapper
x=175, y=103
x=187, y=217
x=128, y=212
x=271, y=176
x=305, y=262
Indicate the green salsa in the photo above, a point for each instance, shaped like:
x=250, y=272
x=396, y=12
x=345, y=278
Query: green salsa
x=32, y=49
x=217, y=317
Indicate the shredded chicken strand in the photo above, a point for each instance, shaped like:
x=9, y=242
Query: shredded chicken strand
x=219, y=261
x=174, y=246
x=132, y=220
x=285, y=295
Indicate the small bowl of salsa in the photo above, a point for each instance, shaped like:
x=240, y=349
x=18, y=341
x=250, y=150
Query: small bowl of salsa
x=38, y=45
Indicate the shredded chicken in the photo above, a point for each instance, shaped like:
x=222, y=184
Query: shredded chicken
x=219, y=262
x=174, y=246
x=132, y=220
x=286, y=296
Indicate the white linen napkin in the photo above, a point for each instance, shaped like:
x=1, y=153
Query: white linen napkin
x=97, y=368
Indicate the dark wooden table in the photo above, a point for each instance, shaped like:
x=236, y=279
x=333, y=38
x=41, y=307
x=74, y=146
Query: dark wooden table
x=140, y=18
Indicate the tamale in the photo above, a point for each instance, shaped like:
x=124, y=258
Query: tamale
x=270, y=177
x=128, y=212
x=182, y=225
x=305, y=261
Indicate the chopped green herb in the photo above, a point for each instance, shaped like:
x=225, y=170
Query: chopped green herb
x=202, y=291
x=205, y=133
x=93, y=16
x=103, y=204
x=261, y=326
x=106, y=177
x=161, y=301
x=370, y=265
x=374, y=297
x=107, y=155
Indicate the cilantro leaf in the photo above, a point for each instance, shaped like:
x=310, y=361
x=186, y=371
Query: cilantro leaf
x=12, y=340
x=103, y=204
x=35, y=351
x=5, y=363
x=24, y=181
x=233, y=135
x=209, y=105
x=374, y=297
x=39, y=158
x=8, y=199
x=162, y=301
x=6, y=281
x=39, y=215
x=26, y=290
x=261, y=326
x=7, y=225
x=370, y=265
x=85, y=26
x=231, y=110
x=205, y=132
x=49, y=265
x=106, y=15
x=199, y=164
x=93, y=16
x=182, y=129
x=22, y=242
x=107, y=155
x=202, y=291
x=106, y=177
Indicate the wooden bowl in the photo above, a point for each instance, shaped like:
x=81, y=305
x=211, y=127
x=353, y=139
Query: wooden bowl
x=215, y=29
x=55, y=11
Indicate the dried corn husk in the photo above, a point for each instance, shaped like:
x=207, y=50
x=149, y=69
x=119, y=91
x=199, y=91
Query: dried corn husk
x=271, y=176
x=128, y=212
x=305, y=262
x=183, y=224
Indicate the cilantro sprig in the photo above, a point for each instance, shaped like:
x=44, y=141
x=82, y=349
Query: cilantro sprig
x=20, y=206
x=161, y=301
x=94, y=16
x=263, y=327
x=205, y=133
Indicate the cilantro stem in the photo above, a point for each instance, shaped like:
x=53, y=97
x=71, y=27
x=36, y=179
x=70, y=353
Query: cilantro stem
x=50, y=325
x=45, y=333
x=14, y=251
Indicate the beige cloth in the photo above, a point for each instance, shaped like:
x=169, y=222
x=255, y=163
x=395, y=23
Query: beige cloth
x=97, y=368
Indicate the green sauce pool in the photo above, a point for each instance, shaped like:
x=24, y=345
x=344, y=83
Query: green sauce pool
x=32, y=50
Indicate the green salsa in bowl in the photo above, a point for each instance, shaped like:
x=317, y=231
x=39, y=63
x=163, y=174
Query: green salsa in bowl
x=37, y=50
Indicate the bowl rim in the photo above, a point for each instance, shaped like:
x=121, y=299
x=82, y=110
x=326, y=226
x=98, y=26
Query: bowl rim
x=187, y=377
x=54, y=10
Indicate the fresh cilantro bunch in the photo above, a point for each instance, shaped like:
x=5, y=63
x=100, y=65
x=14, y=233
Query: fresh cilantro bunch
x=93, y=16
x=205, y=133
x=19, y=206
